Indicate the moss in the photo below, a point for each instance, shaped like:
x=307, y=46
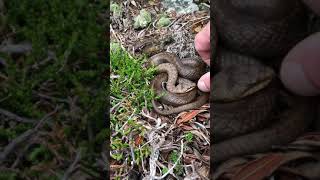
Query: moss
x=73, y=34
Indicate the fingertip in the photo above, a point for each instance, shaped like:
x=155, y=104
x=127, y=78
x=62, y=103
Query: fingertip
x=202, y=39
x=204, y=83
x=300, y=68
x=294, y=78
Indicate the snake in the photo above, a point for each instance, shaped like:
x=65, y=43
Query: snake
x=263, y=28
x=183, y=72
x=246, y=90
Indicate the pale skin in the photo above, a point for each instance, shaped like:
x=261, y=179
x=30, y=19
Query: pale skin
x=202, y=45
x=299, y=72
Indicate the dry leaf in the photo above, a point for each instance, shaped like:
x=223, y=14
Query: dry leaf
x=186, y=117
x=197, y=29
x=186, y=127
x=134, y=3
x=138, y=140
x=265, y=166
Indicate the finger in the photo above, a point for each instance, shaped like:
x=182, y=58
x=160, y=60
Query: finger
x=204, y=82
x=202, y=43
x=300, y=68
x=314, y=5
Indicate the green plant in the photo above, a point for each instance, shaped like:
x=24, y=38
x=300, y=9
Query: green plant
x=174, y=157
x=189, y=137
x=131, y=93
x=39, y=154
x=71, y=35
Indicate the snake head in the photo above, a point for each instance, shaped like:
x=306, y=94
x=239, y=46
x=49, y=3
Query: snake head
x=185, y=85
x=234, y=83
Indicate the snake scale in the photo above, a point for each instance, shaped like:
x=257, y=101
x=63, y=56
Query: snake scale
x=245, y=94
x=182, y=72
x=247, y=37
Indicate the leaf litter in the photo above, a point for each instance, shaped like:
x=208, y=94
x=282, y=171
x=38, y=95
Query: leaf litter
x=165, y=136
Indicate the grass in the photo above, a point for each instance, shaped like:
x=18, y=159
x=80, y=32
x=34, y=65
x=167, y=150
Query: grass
x=133, y=79
x=174, y=157
x=131, y=92
x=73, y=32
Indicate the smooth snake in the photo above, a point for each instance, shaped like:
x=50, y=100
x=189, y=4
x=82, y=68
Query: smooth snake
x=246, y=92
x=183, y=72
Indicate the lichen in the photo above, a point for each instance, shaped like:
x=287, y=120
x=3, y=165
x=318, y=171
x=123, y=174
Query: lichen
x=163, y=21
x=142, y=20
x=180, y=6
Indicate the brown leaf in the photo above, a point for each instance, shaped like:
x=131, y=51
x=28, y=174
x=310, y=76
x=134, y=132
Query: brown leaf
x=266, y=165
x=197, y=29
x=311, y=136
x=186, y=127
x=186, y=117
x=204, y=117
x=138, y=140
x=232, y=164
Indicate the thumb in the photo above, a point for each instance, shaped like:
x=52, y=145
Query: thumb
x=300, y=68
x=204, y=82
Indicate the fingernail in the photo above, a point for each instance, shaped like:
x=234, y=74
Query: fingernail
x=294, y=78
x=203, y=87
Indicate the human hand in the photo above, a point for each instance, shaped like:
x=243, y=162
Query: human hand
x=300, y=68
x=202, y=45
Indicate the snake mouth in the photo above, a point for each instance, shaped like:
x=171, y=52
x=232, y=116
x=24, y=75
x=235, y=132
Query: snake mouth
x=188, y=89
x=255, y=87
x=228, y=91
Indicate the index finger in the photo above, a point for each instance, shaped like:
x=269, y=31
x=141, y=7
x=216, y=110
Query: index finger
x=202, y=43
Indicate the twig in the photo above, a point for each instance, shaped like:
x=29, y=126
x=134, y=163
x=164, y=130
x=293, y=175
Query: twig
x=132, y=151
x=16, y=48
x=142, y=163
x=50, y=57
x=175, y=164
x=112, y=109
x=24, y=136
x=200, y=20
x=17, y=161
x=148, y=116
x=16, y=117
x=120, y=40
x=14, y=143
x=50, y=97
x=73, y=166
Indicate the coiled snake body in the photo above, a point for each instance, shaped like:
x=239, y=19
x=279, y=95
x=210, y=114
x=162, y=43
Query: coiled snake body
x=174, y=70
x=245, y=92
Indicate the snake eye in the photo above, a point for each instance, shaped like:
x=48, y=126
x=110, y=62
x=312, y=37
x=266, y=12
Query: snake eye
x=164, y=85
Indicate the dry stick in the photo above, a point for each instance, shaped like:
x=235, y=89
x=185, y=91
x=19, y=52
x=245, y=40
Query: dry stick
x=120, y=40
x=73, y=166
x=175, y=164
x=51, y=56
x=50, y=97
x=113, y=109
x=17, y=161
x=16, y=117
x=24, y=136
x=16, y=48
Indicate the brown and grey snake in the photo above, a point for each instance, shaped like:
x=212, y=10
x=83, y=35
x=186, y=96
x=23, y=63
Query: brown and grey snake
x=246, y=36
x=173, y=70
x=246, y=93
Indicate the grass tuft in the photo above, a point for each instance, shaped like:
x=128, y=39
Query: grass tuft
x=130, y=92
